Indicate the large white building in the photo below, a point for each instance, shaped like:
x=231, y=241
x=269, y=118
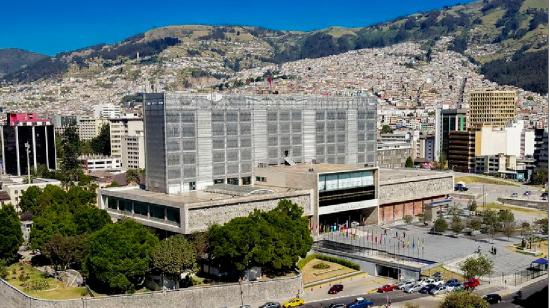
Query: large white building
x=511, y=140
x=89, y=127
x=133, y=151
x=107, y=111
x=128, y=125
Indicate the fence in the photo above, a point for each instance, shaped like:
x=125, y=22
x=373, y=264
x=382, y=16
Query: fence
x=517, y=278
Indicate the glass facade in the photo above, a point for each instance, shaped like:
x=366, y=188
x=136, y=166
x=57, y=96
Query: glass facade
x=145, y=209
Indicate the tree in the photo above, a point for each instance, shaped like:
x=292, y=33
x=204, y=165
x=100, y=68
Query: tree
x=274, y=240
x=71, y=150
x=440, y=225
x=476, y=266
x=491, y=220
x=456, y=224
x=386, y=129
x=543, y=225
x=132, y=176
x=119, y=256
x=29, y=200
x=63, y=251
x=472, y=206
x=11, y=236
x=54, y=220
x=475, y=223
x=101, y=144
x=462, y=299
x=539, y=177
x=409, y=163
x=525, y=228
x=89, y=219
x=174, y=256
x=506, y=217
x=407, y=219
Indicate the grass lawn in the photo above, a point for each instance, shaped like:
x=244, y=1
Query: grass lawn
x=519, y=209
x=55, y=289
x=469, y=179
x=445, y=273
x=311, y=274
x=539, y=246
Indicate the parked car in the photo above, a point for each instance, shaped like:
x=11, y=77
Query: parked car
x=294, y=302
x=434, y=281
x=471, y=283
x=452, y=284
x=414, y=288
x=387, y=288
x=514, y=195
x=335, y=289
x=406, y=283
x=458, y=288
x=271, y=305
x=544, y=195
x=361, y=303
x=245, y=306
x=461, y=187
x=426, y=289
x=527, y=193
x=337, y=306
x=438, y=290
x=492, y=298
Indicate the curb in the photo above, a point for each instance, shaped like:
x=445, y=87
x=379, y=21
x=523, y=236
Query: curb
x=320, y=282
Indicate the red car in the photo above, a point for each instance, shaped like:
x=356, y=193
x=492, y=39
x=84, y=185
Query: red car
x=387, y=288
x=471, y=283
x=335, y=289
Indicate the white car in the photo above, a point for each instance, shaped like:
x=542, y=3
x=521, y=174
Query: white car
x=413, y=288
x=406, y=283
x=436, y=282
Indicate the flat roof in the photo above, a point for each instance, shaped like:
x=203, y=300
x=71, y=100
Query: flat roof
x=316, y=168
x=403, y=174
x=200, y=198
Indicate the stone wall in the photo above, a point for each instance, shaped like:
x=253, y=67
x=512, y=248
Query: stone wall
x=414, y=189
x=227, y=295
x=536, y=204
x=200, y=218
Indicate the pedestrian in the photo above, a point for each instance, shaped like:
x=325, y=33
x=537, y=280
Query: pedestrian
x=495, y=250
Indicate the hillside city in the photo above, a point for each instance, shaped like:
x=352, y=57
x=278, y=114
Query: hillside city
x=237, y=166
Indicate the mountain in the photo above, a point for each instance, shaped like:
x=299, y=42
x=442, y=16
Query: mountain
x=508, y=39
x=12, y=60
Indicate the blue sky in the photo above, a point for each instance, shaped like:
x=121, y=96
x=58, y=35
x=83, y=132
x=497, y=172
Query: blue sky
x=52, y=26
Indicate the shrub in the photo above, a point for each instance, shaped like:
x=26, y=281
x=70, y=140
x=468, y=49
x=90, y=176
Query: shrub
x=332, y=259
x=321, y=265
x=303, y=261
x=440, y=225
x=407, y=219
x=36, y=284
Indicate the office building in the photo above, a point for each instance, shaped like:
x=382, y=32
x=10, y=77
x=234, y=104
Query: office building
x=393, y=154
x=194, y=141
x=492, y=107
x=107, y=111
x=91, y=163
x=27, y=141
x=541, y=148
x=446, y=121
x=127, y=125
x=461, y=151
x=61, y=122
x=89, y=127
x=511, y=140
x=133, y=151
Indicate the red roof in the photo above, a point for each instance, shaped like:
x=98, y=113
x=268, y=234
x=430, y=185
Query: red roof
x=14, y=118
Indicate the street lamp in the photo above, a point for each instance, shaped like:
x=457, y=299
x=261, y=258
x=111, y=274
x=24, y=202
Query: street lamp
x=27, y=149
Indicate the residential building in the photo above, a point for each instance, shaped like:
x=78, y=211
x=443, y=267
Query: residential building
x=89, y=127
x=194, y=141
x=447, y=120
x=393, y=154
x=426, y=147
x=91, y=163
x=541, y=148
x=133, y=151
x=461, y=150
x=107, y=111
x=27, y=141
x=15, y=186
x=128, y=125
x=492, y=107
x=60, y=122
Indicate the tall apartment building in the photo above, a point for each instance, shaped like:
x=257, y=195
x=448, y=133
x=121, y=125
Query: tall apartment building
x=133, y=151
x=89, y=127
x=446, y=121
x=192, y=141
x=107, y=111
x=26, y=131
x=492, y=107
x=541, y=148
x=128, y=125
x=426, y=147
x=461, y=151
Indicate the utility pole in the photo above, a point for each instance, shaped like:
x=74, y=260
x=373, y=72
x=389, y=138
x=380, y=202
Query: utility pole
x=483, y=196
x=27, y=146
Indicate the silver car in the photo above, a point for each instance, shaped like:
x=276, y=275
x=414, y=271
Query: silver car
x=405, y=284
x=414, y=288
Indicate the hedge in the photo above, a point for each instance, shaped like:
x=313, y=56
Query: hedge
x=302, y=262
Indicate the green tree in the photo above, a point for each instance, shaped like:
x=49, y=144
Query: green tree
x=71, y=150
x=63, y=251
x=132, y=176
x=542, y=225
x=475, y=223
x=101, y=144
x=472, y=206
x=409, y=163
x=456, y=224
x=274, y=240
x=525, y=228
x=11, y=236
x=174, y=256
x=440, y=225
x=119, y=256
x=476, y=266
x=407, y=219
x=386, y=129
x=29, y=200
x=54, y=220
x=90, y=219
x=463, y=299
x=491, y=220
x=539, y=177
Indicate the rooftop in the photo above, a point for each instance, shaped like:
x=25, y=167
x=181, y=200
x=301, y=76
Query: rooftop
x=317, y=168
x=391, y=175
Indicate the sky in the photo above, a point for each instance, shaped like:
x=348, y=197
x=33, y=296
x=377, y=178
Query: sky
x=50, y=26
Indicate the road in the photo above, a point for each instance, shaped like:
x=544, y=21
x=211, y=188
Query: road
x=378, y=299
x=534, y=295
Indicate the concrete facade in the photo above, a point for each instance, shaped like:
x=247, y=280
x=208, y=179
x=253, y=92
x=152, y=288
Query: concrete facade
x=225, y=295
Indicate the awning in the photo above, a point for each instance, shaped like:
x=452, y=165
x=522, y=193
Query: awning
x=541, y=261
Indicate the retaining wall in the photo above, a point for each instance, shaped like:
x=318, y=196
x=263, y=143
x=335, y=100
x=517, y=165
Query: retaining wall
x=226, y=295
x=536, y=204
